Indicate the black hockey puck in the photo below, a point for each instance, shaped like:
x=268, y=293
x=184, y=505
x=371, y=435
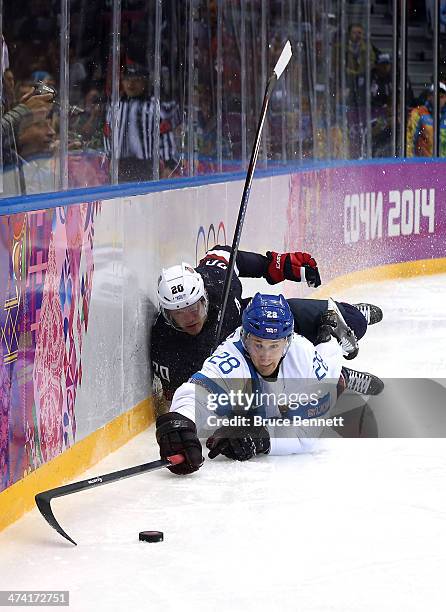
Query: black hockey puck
x=151, y=536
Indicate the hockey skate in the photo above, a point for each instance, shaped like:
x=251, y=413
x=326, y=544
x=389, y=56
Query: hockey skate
x=333, y=324
x=373, y=314
x=362, y=382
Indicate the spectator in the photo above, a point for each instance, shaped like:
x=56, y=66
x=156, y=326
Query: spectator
x=356, y=64
x=420, y=133
x=17, y=136
x=35, y=170
x=36, y=137
x=381, y=81
x=381, y=93
x=89, y=125
x=356, y=72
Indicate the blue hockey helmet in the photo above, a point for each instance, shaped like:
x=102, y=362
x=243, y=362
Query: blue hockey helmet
x=268, y=316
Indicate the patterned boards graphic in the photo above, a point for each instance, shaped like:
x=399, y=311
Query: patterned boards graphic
x=46, y=272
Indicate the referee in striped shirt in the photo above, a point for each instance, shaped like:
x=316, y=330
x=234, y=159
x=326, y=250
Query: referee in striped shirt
x=136, y=115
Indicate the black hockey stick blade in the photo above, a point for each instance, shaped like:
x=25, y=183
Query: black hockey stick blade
x=43, y=500
x=280, y=66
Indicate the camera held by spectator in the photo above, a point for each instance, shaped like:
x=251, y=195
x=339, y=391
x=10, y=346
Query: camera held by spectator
x=41, y=88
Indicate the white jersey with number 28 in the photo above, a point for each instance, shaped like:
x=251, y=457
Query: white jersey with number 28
x=292, y=406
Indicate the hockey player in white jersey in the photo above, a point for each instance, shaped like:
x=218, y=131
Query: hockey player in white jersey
x=256, y=393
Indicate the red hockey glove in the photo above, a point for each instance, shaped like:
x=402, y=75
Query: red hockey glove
x=286, y=266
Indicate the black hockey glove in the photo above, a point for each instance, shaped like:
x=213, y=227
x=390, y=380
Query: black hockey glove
x=176, y=434
x=287, y=266
x=239, y=443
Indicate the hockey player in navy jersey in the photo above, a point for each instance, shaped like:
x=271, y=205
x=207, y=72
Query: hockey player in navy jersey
x=184, y=331
x=274, y=378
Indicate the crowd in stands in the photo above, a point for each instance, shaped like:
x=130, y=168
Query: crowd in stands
x=152, y=134
x=31, y=99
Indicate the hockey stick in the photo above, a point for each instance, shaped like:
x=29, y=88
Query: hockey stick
x=43, y=500
x=282, y=63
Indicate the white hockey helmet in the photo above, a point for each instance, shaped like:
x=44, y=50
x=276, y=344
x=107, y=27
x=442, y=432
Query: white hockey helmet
x=180, y=286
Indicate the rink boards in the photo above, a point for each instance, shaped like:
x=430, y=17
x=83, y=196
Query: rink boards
x=78, y=297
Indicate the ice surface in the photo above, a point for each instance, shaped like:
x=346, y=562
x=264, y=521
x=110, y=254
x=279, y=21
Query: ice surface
x=411, y=339
x=358, y=526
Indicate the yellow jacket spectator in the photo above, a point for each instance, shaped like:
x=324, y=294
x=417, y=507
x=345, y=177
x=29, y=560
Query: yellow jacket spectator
x=356, y=64
x=420, y=130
